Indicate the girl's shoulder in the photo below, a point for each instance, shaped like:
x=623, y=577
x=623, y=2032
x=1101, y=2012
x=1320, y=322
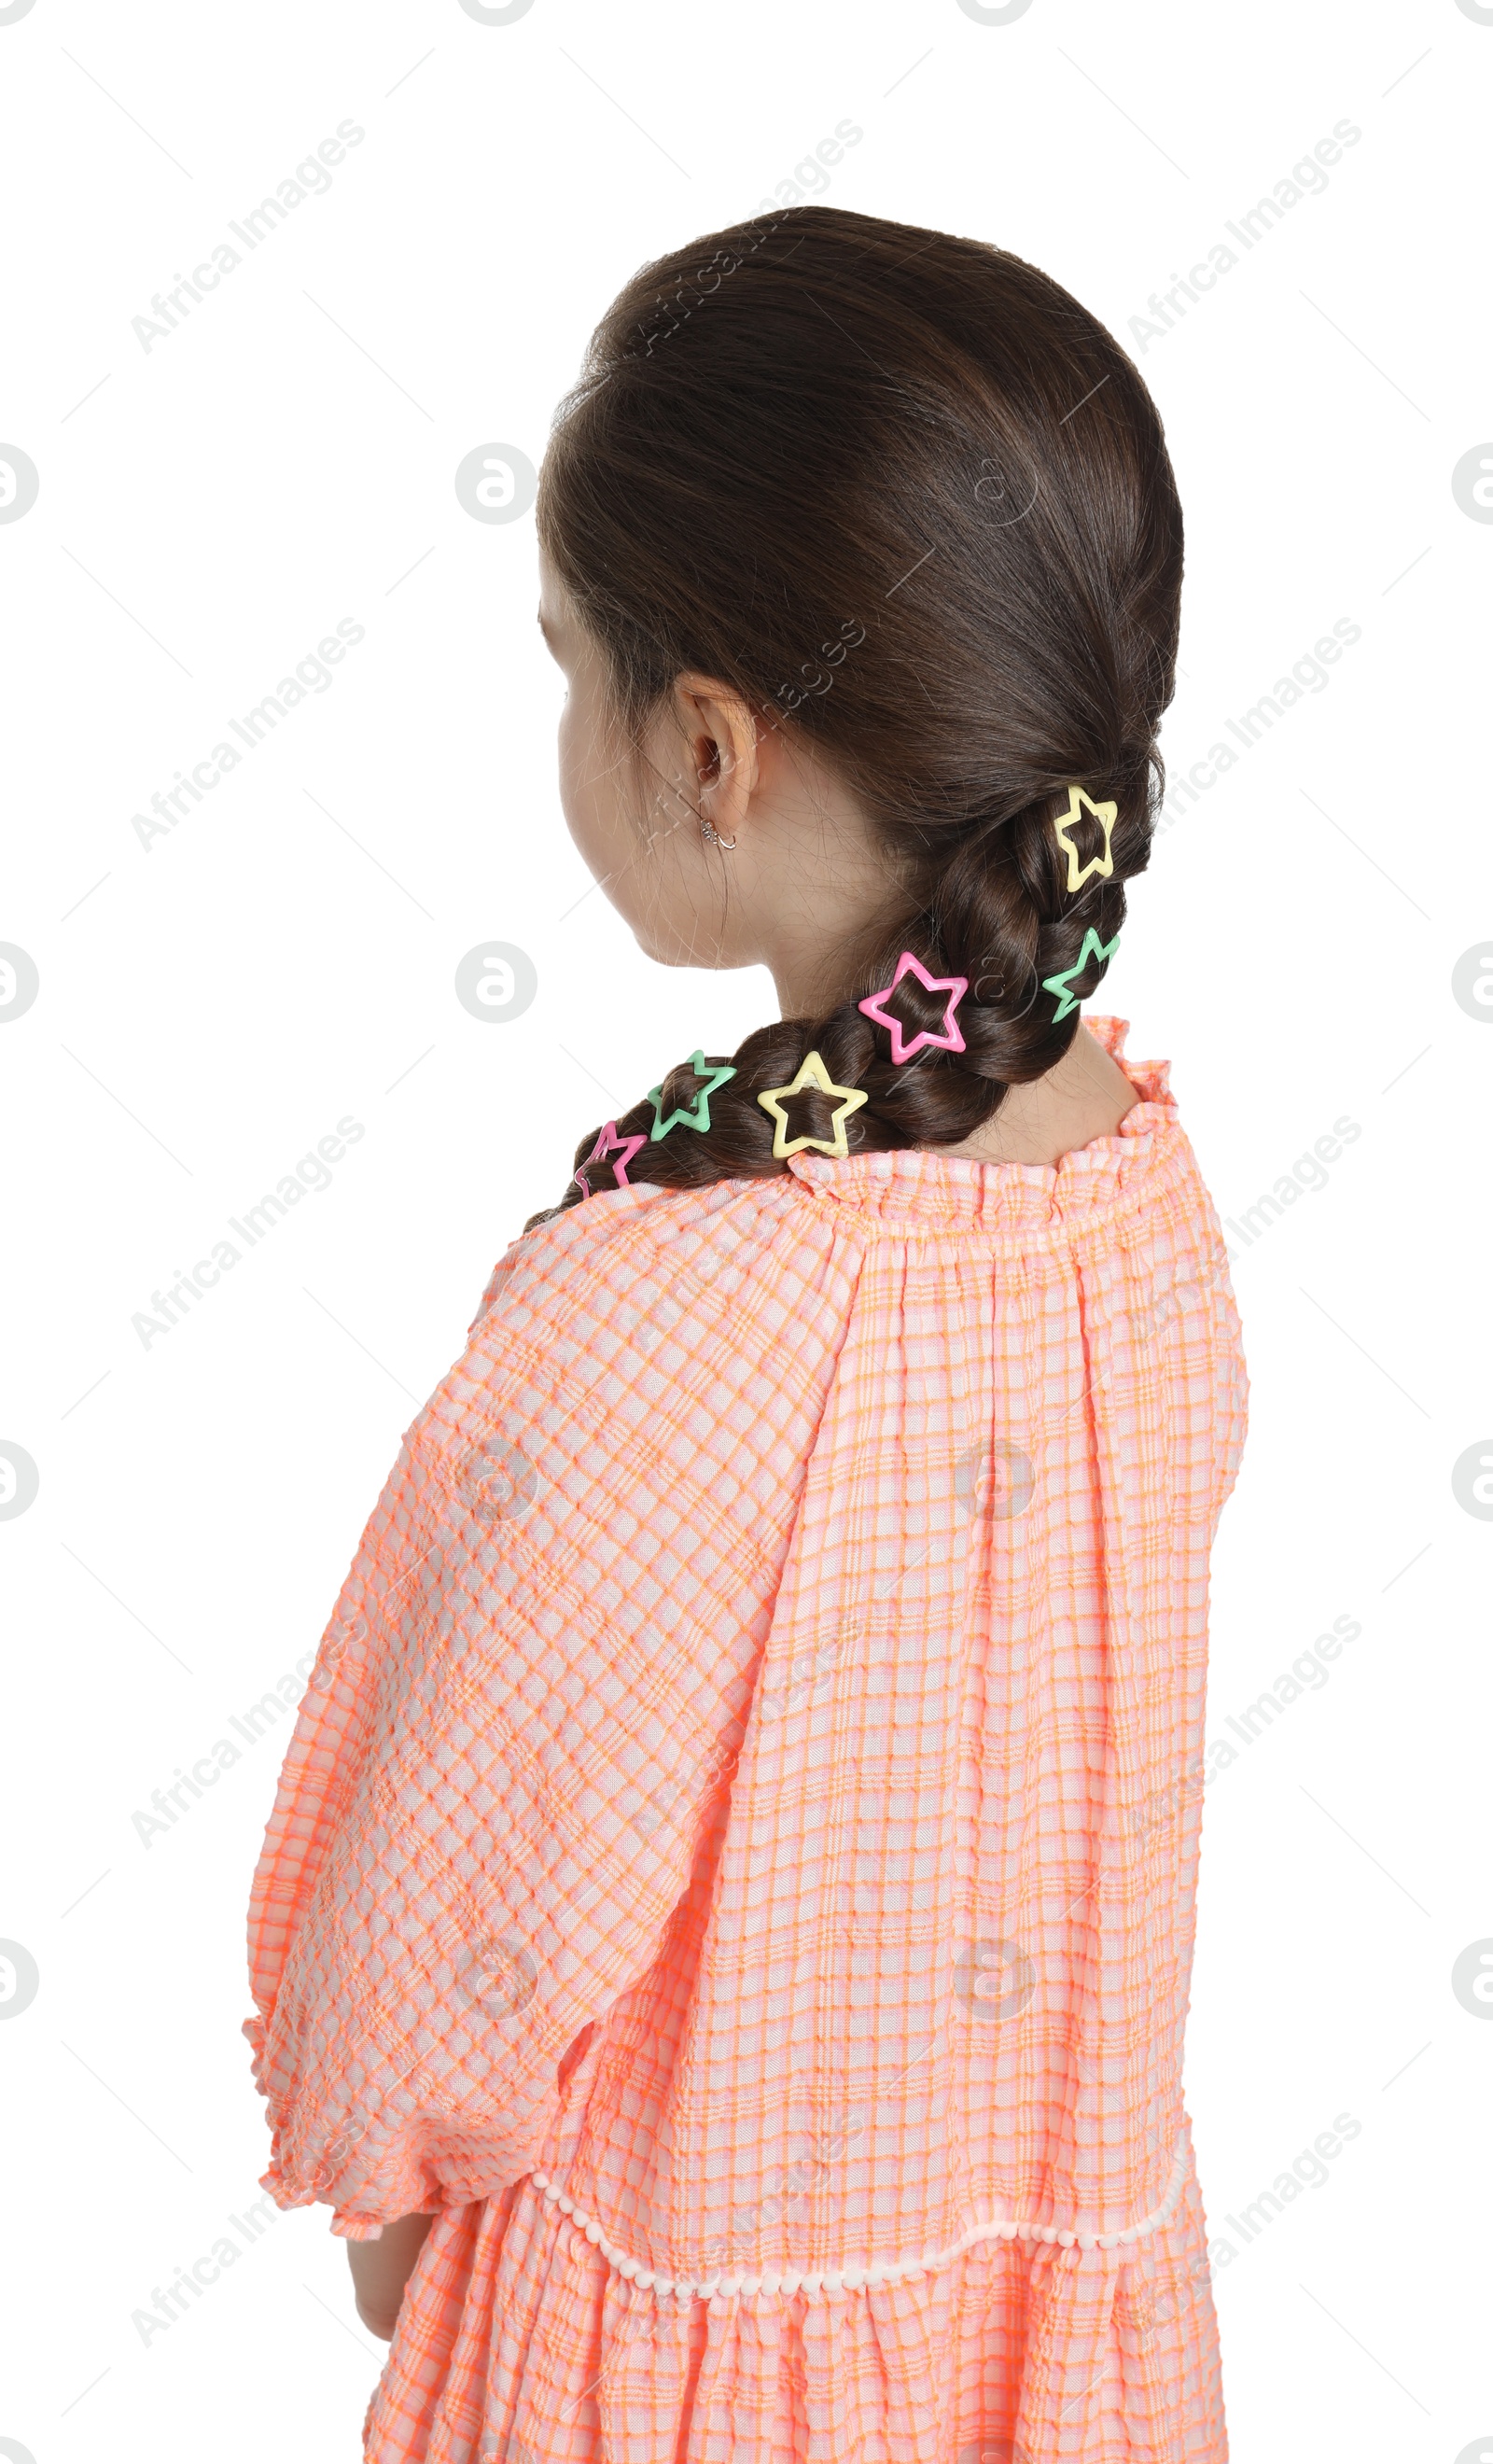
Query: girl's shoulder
x=593, y=1256
x=645, y=1300
x=685, y=1300
x=642, y=1247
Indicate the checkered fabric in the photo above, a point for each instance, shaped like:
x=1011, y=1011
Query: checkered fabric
x=736, y=1860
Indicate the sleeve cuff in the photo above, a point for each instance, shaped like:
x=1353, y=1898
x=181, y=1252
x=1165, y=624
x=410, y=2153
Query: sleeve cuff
x=351, y=2227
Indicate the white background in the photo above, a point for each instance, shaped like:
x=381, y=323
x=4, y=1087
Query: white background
x=208, y=509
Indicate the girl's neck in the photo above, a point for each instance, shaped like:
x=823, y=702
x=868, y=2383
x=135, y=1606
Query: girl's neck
x=1085, y=1096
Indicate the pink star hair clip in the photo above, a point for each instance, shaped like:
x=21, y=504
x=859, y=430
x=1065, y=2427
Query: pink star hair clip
x=950, y=1041
x=610, y=1148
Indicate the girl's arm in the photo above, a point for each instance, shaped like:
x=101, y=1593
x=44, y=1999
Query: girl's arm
x=381, y=2270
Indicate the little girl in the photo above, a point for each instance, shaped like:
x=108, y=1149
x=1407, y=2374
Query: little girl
x=721, y=1946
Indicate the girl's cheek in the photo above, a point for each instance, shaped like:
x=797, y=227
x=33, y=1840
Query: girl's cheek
x=584, y=788
x=571, y=774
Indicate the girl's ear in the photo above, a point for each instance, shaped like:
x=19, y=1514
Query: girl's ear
x=721, y=759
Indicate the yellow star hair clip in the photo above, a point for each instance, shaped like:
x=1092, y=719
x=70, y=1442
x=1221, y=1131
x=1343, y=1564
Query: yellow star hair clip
x=1104, y=814
x=812, y=1073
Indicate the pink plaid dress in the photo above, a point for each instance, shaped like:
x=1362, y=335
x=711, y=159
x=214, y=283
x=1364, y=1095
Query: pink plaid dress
x=735, y=1861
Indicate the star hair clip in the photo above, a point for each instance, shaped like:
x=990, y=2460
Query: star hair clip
x=812, y=1073
x=688, y=1116
x=1061, y=983
x=902, y=1048
x=610, y=1148
x=1080, y=800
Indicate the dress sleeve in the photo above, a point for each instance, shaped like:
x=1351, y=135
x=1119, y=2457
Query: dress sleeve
x=1197, y=1316
x=524, y=1708
x=1231, y=1409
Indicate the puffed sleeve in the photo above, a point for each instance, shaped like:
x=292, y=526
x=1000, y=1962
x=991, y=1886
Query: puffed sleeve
x=524, y=1708
x=1231, y=1383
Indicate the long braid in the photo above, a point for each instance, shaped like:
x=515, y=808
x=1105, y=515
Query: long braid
x=1007, y=1018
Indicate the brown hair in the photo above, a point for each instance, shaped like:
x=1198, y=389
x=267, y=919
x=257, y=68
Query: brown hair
x=951, y=490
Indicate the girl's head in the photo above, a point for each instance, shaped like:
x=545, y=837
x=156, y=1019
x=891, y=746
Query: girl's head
x=860, y=544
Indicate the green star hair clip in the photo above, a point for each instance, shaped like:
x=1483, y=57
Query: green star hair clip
x=1093, y=948
x=687, y=1116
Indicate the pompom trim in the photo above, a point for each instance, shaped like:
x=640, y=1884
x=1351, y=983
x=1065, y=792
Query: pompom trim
x=851, y=2278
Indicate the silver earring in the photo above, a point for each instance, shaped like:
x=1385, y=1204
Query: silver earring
x=712, y=836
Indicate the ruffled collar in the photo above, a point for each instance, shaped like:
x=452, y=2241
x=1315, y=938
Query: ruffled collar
x=921, y=1189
